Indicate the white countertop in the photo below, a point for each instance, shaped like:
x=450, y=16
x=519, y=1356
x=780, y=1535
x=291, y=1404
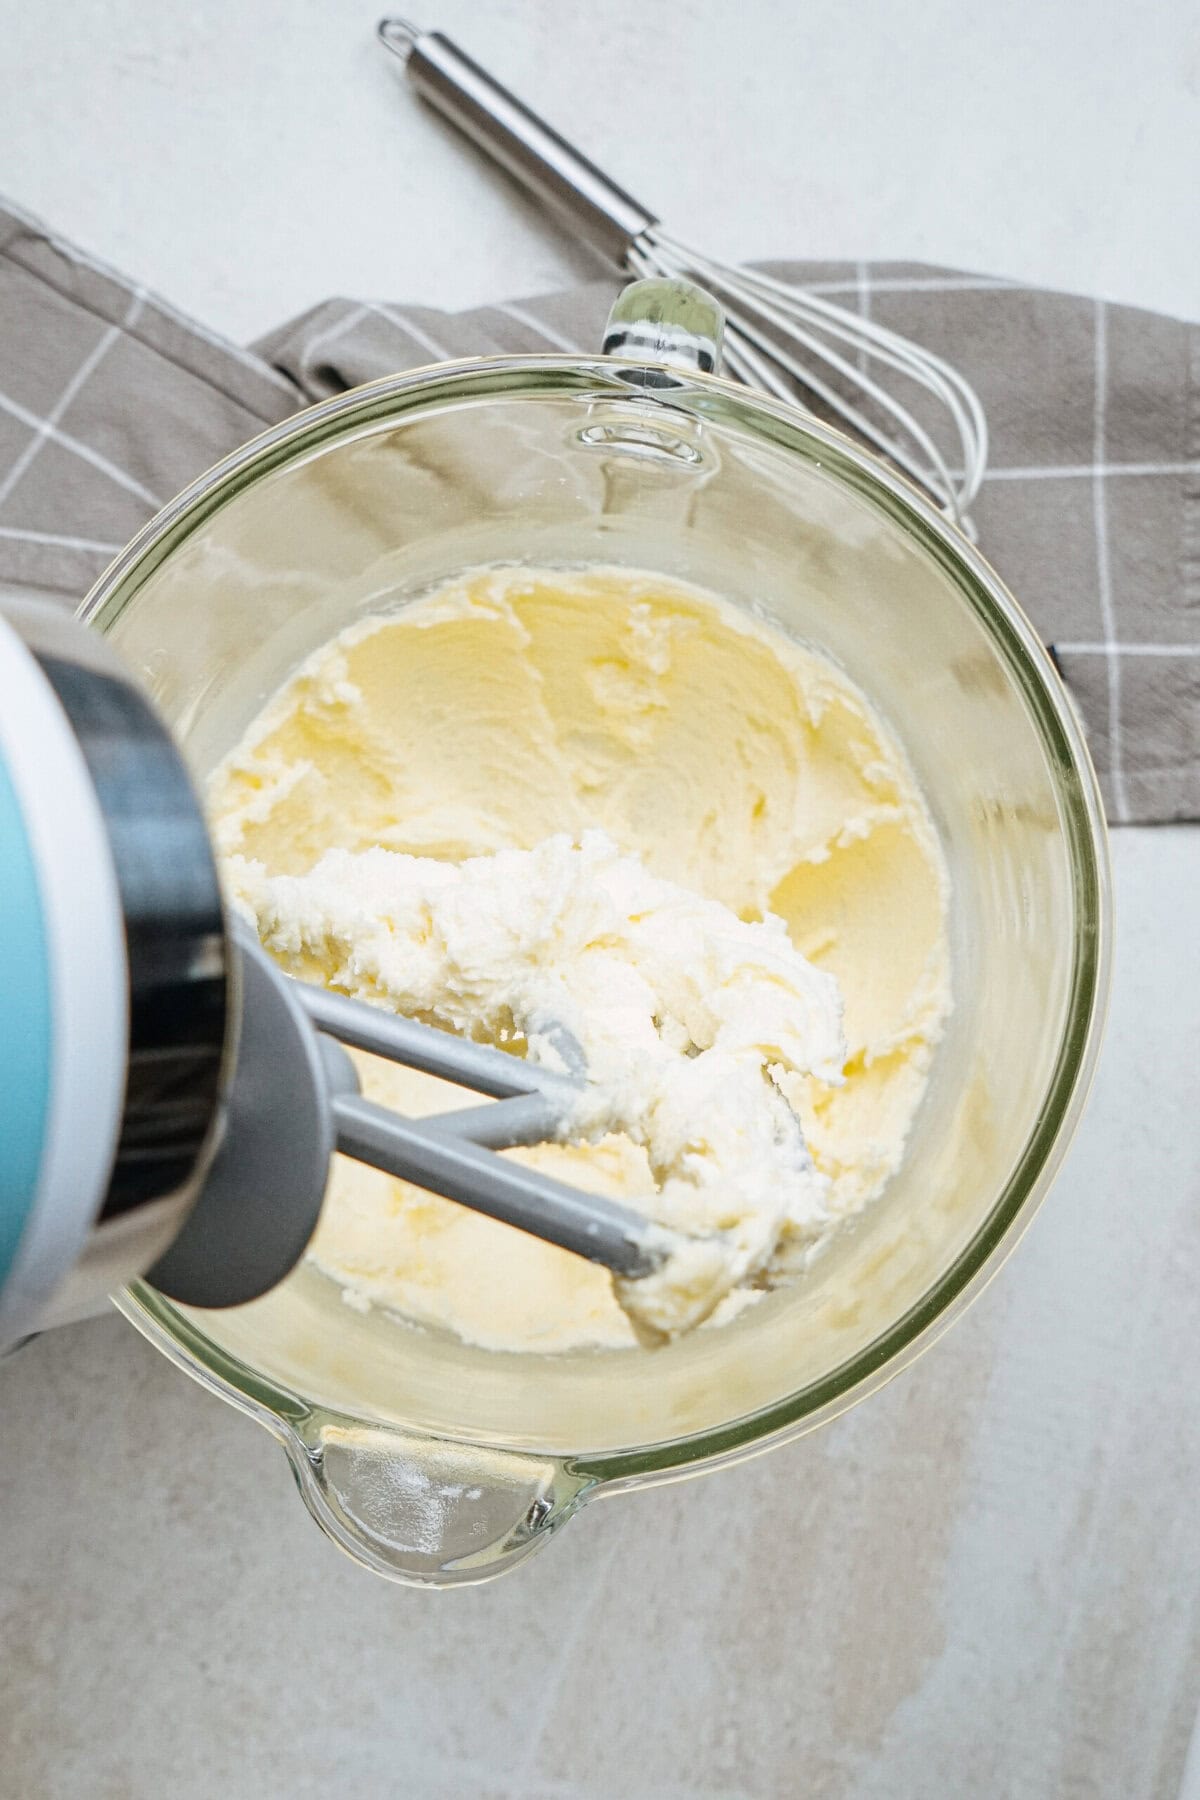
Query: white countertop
x=250, y=160
x=984, y=1581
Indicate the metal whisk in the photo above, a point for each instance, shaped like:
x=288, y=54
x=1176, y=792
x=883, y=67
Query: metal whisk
x=779, y=338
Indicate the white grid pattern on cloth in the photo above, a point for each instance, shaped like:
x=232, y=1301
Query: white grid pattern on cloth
x=71, y=253
x=1104, y=590
x=397, y=320
x=95, y=355
x=333, y=332
x=1119, y=561
x=61, y=540
x=862, y=283
x=84, y=451
x=920, y=284
x=87, y=367
x=1115, y=649
x=416, y=332
x=520, y=316
x=1087, y=471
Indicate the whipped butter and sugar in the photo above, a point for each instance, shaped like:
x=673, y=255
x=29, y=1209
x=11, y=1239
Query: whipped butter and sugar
x=608, y=800
x=696, y=1025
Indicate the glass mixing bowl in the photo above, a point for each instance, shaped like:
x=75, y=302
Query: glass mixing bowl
x=435, y=1462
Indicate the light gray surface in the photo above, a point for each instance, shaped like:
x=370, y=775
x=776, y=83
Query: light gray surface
x=981, y=1583
x=247, y=159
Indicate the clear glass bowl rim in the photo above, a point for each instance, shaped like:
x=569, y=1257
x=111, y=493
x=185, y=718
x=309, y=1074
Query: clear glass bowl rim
x=706, y=398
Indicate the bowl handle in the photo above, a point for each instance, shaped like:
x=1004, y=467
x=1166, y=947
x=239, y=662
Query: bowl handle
x=426, y=1511
x=664, y=324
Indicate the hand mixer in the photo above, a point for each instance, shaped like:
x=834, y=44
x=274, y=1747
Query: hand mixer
x=780, y=338
x=170, y=1100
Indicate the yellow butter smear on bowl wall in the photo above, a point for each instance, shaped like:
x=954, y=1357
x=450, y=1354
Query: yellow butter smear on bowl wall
x=518, y=705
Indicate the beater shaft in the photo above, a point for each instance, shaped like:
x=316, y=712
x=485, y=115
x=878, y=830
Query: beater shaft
x=453, y=1153
x=478, y=1066
x=434, y=1154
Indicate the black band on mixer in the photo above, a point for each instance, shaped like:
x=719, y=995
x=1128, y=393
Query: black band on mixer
x=174, y=931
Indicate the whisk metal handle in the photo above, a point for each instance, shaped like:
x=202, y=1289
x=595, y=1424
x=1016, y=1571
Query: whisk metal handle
x=506, y=130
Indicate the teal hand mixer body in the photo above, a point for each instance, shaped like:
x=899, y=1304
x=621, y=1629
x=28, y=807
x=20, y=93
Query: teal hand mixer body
x=169, y=1101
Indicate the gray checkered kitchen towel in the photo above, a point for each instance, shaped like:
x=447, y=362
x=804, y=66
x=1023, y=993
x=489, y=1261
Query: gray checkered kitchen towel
x=110, y=402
